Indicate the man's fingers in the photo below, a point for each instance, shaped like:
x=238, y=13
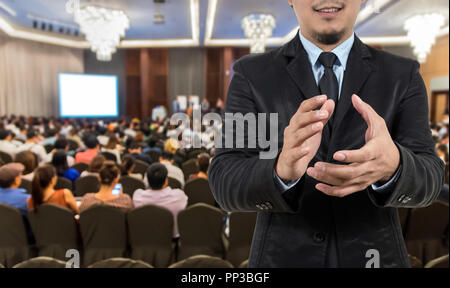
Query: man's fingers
x=339, y=191
x=335, y=174
x=362, y=155
x=329, y=108
x=297, y=153
x=309, y=118
x=311, y=104
x=303, y=134
x=305, y=118
x=364, y=109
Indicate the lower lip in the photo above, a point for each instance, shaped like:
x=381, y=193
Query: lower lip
x=328, y=14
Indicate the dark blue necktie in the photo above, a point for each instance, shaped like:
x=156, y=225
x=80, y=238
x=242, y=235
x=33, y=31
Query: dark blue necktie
x=328, y=85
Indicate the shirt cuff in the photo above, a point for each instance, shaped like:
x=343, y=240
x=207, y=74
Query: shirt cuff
x=281, y=185
x=388, y=185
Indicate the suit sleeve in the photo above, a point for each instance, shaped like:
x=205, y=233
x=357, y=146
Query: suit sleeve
x=422, y=174
x=239, y=179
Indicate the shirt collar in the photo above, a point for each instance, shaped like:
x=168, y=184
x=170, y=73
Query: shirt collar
x=342, y=51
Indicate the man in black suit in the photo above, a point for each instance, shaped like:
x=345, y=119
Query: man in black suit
x=346, y=162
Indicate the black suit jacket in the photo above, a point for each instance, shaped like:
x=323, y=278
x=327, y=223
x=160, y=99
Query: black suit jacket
x=293, y=227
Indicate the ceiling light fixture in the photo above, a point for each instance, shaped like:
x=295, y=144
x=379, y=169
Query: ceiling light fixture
x=103, y=29
x=422, y=32
x=258, y=27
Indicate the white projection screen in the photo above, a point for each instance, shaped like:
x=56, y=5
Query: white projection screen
x=82, y=95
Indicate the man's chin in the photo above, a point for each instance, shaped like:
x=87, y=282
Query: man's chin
x=329, y=37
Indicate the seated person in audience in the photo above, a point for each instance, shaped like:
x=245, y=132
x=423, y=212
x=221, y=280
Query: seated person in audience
x=43, y=190
x=102, y=137
x=95, y=166
x=172, y=146
x=93, y=147
x=10, y=193
x=127, y=167
x=135, y=150
x=6, y=145
x=160, y=194
x=51, y=135
x=152, y=145
x=22, y=136
x=61, y=144
x=32, y=144
x=109, y=178
x=73, y=135
x=203, y=161
x=139, y=137
x=174, y=172
x=59, y=161
x=113, y=146
x=132, y=128
x=28, y=160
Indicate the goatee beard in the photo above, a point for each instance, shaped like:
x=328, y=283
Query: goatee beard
x=329, y=38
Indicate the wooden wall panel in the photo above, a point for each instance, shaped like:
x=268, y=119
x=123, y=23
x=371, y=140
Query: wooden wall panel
x=133, y=82
x=147, y=74
x=437, y=63
x=214, y=83
x=219, y=64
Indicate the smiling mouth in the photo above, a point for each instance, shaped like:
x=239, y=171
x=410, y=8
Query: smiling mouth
x=328, y=11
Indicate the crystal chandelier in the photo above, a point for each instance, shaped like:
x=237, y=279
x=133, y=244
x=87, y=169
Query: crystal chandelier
x=103, y=29
x=422, y=32
x=258, y=27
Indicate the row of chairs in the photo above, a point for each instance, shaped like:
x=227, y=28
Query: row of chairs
x=426, y=232
x=197, y=261
x=197, y=190
x=144, y=233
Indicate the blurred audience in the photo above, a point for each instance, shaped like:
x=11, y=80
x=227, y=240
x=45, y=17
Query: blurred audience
x=135, y=150
x=59, y=162
x=167, y=159
x=43, y=190
x=33, y=144
x=203, y=161
x=95, y=166
x=160, y=194
x=10, y=193
x=107, y=195
x=127, y=167
x=29, y=161
x=6, y=144
x=93, y=147
x=113, y=146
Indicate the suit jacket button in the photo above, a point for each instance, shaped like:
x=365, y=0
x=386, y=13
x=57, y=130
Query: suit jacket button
x=319, y=237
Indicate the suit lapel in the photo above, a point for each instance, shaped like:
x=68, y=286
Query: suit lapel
x=299, y=68
x=358, y=70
